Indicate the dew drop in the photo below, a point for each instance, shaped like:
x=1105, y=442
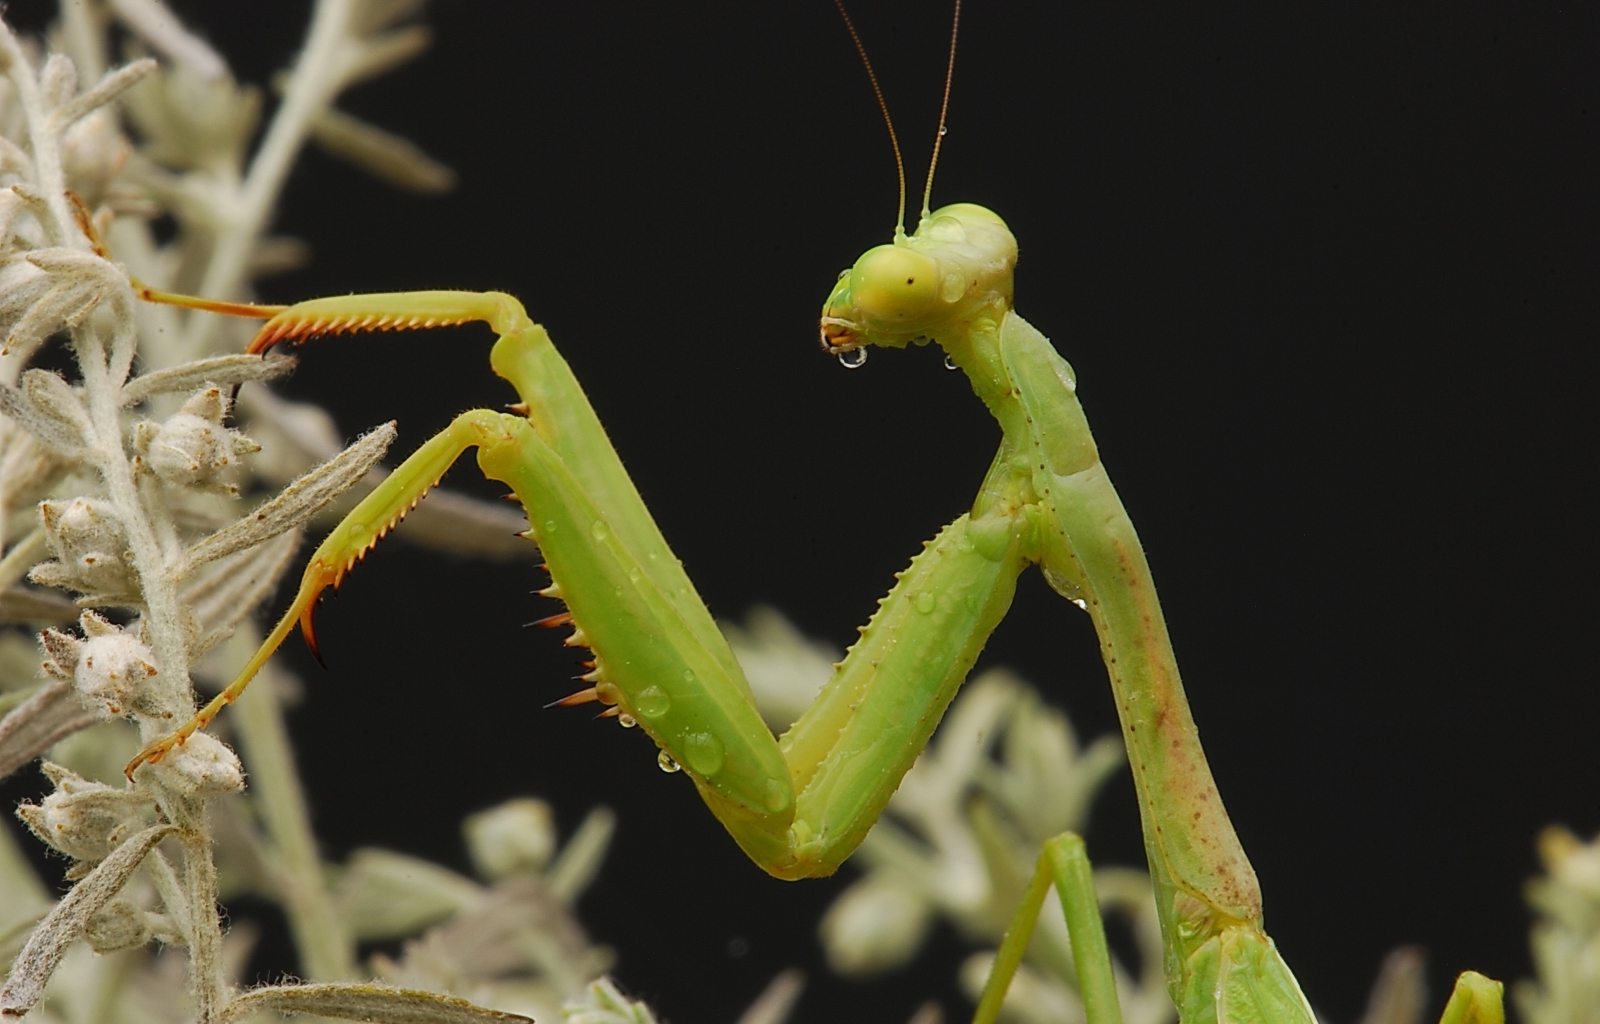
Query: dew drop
x=627, y=721
x=549, y=526
x=778, y=795
x=652, y=702
x=600, y=530
x=943, y=130
x=926, y=603
x=688, y=675
x=634, y=574
x=666, y=762
x=1081, y=603
x=854, y=359
x=704, y=753
x=950, y=364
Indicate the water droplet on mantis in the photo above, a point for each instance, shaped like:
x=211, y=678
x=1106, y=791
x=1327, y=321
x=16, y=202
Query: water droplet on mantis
x=688, y=675
x=652, y=702
x=950, y=363
x=854, y=359
x=704, y=752
x=926, y=603
x=550, y=526
x=600, y=530
x=666, y=762
x=627, y=721
x=1081, y=603
x=634, y=574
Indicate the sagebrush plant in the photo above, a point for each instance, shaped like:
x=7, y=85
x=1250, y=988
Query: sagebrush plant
x=129, y=487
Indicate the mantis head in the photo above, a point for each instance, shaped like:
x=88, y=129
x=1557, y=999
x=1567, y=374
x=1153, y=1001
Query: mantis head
x=956, y=267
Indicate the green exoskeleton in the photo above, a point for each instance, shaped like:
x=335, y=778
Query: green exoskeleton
x=799, y=804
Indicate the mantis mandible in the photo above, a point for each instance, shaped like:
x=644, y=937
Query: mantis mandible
x=800, y=804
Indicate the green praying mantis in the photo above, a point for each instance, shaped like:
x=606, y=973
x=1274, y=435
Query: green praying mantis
x=800, y=804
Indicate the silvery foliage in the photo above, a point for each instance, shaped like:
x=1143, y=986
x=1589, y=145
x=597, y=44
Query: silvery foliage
x=141, y=526
x=1566, y=935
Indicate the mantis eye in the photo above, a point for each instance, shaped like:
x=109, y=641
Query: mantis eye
x=893, y=283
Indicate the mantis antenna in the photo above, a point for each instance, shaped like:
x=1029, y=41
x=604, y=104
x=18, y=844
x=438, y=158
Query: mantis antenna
x=894, y=140
x=944, y=108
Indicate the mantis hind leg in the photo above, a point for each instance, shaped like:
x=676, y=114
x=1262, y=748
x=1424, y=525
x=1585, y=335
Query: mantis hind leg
x=1064, y=863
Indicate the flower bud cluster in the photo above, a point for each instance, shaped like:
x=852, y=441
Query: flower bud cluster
x=518, y=836
x=114, y=671
x=91, y=548
x=84, y=820
x=202, y=766
x=109, y=667
x=192, y=448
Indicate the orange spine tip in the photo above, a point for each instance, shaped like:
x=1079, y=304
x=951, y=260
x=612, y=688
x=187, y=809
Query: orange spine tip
x=552, y=621
x=611, y=712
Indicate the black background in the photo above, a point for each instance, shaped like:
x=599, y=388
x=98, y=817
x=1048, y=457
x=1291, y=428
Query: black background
x=1325, y=273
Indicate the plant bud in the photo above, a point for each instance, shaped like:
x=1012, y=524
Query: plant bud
x=112, y=665
x=202, y=766
x=84, y=820
x=193, y=448
x=517, y=836
x=120, y=924
x=88, y=540
x=877, y=925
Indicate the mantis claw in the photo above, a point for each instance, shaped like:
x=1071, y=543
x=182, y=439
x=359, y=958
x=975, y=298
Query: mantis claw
x=309, y=634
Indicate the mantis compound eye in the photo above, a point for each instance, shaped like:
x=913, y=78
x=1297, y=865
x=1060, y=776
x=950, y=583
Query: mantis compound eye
x=891, y=284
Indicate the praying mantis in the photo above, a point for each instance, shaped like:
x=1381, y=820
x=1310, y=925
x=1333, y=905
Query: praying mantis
x=1055, y=330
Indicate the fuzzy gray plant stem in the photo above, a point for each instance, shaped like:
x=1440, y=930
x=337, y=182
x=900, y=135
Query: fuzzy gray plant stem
x=318, y=76
x=163, y=612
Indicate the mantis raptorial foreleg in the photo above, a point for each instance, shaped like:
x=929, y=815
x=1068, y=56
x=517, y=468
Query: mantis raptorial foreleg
x=798, y=807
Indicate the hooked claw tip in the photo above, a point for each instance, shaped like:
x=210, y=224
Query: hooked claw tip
x=310, y=635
